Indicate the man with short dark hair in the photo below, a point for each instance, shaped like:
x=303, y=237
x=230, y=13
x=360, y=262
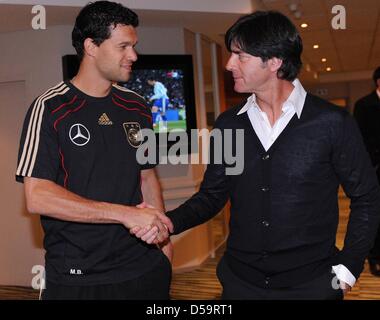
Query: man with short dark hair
x=77, y=160
x=284, y=205
x=367, y=114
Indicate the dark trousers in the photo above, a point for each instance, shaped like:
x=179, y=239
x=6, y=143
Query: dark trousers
x=153, y=285
x=374, y=253
x=234, y=288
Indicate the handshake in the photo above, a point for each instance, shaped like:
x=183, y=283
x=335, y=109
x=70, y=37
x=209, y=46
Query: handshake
x=150, y=225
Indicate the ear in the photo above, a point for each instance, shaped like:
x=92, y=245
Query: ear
x=274, y=64
x=89, y=47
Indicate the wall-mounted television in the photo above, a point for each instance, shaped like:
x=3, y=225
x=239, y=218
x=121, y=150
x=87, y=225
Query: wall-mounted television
x=167, y=84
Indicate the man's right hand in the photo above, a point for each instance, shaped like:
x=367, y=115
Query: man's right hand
x=151, y=234
x=149, y=223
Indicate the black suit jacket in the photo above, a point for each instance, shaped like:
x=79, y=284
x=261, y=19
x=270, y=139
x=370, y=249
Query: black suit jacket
x=367, y=114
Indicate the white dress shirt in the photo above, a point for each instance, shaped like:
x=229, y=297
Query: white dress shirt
x=268, y=135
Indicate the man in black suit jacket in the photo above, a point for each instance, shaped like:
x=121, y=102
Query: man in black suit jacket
x=367, y=114
x=298, y=149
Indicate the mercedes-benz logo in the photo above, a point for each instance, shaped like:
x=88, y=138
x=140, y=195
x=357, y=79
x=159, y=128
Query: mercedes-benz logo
x=79, y=135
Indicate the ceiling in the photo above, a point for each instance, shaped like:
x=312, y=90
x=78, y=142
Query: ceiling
x=352, y=52
x=355, y=49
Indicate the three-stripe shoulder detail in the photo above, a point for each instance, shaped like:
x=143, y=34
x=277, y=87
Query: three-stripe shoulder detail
x=127, y=90
x=32, y=139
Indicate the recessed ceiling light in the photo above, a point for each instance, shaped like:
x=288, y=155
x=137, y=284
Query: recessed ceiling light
x=316, y=46
x=304, y=25
x=328, y=69
x=324, y=59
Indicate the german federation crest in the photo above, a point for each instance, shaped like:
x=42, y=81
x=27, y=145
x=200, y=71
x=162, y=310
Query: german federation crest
x=133, y=132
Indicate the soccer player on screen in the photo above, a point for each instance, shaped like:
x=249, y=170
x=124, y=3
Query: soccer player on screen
x=160, y=102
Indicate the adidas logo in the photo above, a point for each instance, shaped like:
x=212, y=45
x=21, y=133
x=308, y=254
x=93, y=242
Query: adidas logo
x=104, y=120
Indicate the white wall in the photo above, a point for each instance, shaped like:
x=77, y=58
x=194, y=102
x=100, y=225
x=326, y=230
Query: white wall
x=20, y=233
x=30, y=62
x=160, y=40
x=34, y=56
x=351, y=91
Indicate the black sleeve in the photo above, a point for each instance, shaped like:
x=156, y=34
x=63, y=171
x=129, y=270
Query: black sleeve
x=358, y=179
x=359, y=115
x=208, y=201
x=371, y=139
x=39, y=151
